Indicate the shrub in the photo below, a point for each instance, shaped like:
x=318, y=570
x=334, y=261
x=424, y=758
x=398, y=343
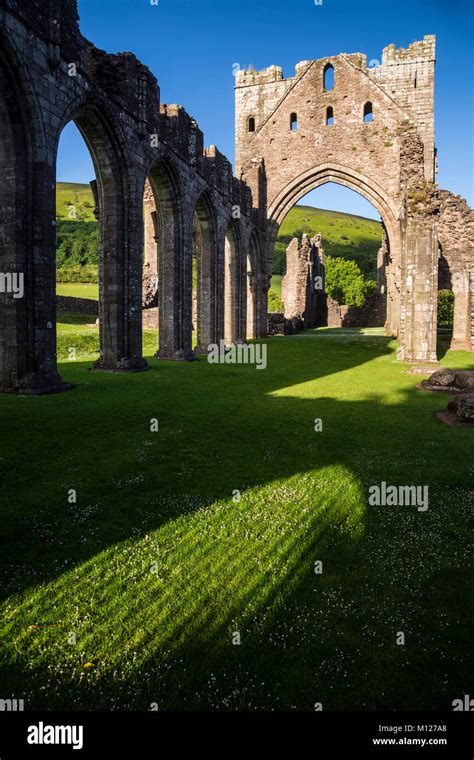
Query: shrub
x=445, y=308
x=274, y=302
x=87, y=273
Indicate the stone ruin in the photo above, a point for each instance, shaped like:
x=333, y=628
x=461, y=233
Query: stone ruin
x=460, y=383
x=159, y=190
x=302, y=287
x=303, y=293
x=372, y=131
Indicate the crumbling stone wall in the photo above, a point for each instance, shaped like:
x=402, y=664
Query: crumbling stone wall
x=282, y=127
x=302, y=287
x=303, y=292
x=455, y=224
x=149, y=157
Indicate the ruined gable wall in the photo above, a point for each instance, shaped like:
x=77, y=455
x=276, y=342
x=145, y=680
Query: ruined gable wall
x=390, y=150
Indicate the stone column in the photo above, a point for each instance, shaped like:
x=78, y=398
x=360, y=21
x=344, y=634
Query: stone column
x=120, y=278
x=251, y=293
x=205, y=251
x=175, y=289
x=463, y=322
x=28, y=268
x=242, y=255
x=419, y=290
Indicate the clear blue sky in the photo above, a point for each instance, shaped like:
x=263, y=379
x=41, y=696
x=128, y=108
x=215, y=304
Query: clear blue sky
x=192, y=45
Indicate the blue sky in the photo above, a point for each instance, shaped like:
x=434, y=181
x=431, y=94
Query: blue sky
x=192, y=45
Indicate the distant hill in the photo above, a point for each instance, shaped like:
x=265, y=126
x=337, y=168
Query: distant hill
x=352, y=237
x=73, y=197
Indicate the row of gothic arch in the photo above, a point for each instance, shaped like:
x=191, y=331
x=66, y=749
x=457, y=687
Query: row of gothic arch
x=200, y=213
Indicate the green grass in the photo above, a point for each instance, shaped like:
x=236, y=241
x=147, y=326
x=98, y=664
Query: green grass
x=78, y=289
x=353, y=237
x=157, y=565
x=275, y=284
x=74, y=195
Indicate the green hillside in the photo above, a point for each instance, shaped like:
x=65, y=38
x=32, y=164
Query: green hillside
x=352, y=237
x=73, y=198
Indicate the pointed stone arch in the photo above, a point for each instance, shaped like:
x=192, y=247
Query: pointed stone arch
x=120, y=250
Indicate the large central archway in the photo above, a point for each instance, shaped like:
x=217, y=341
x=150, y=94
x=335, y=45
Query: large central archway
x=342, y=175
x=372, y=192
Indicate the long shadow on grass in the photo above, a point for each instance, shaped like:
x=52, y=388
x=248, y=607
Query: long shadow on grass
x=156, y=611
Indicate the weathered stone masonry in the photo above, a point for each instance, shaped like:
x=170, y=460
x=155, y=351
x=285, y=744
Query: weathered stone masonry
x=49, y=75
x=300, y=132
x=147, y=154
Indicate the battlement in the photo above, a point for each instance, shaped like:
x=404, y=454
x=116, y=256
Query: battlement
x=249, y=77
x=420, y=50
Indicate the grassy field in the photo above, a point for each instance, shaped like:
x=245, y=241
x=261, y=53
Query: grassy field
x=134, y=593
x=78, y=289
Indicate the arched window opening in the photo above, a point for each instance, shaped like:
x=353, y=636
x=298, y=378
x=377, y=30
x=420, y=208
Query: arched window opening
x=368, y=115
x=293, y=122
x=329, y=116
x=251, y=124
x=328, y=78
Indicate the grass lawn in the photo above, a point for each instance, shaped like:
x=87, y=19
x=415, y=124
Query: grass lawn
x=134, y=593
x=78, y=289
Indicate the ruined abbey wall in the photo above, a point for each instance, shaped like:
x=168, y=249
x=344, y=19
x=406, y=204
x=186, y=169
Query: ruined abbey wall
x=49, y=75
x=159, y=189
x=301, y=133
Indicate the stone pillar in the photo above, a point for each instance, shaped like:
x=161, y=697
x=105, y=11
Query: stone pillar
x=251, y=297
x=205, y=252
x=120, y=282
x=28, y=270
x=176, y=294
x=289, y=283
x=263, y=286
x=175, y=287
x=242, y=256
x=463, y=322
x=232, y=288
x=419, y=290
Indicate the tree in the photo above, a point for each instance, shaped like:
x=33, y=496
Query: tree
x=345, y=282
